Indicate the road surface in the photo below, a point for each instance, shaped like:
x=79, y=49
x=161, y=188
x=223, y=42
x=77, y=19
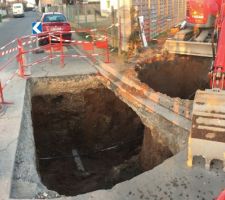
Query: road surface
x=12, y=28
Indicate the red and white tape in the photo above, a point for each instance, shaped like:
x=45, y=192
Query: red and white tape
x=8, y=51
x=80, y=56
x=56, y=38
x=40, y=61
x=3, y=47
x=34, y=40
x=29, y=42
x=13, y=49
x=57, y=56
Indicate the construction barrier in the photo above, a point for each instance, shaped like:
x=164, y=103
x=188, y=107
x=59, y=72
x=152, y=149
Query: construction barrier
x=18, y=52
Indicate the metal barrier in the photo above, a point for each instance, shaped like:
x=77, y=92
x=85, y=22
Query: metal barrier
x=18, y=52
x=7, y=54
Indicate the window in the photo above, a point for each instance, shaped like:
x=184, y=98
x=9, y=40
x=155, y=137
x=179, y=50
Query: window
x=17, y=6
x=54, y=18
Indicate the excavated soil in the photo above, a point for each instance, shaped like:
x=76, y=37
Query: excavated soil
x=176, y=76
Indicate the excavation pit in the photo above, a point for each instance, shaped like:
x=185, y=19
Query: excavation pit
x=78, y=137
x=176, y=76
x=94, y=127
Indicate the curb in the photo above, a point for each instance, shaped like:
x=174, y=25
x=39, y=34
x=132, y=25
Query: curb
x=2, y=109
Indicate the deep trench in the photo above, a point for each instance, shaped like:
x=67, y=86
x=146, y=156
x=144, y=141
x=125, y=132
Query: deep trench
x=106, y=133
x=177, y=76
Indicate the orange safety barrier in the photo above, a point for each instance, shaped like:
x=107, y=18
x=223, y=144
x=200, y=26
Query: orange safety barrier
x=88, y=46
x=221, y=196
x=1, y=94
x=101, y=44
x=18, y=49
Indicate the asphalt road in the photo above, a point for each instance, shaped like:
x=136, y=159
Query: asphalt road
x=12, y=28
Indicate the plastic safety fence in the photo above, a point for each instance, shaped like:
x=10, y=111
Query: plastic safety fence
x=8, y=66
x=160, y=15
x=19, y=55
x=92, y=43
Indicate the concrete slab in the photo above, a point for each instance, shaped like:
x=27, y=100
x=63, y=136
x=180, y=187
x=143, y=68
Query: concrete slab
x=170, y=180
x=10, y=123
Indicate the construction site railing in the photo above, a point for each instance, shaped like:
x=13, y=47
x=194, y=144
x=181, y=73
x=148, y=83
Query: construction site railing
x=16, y=56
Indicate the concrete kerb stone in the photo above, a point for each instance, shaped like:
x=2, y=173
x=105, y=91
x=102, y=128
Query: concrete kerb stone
x=10, y=124
x=185, y=117
x=2, y=109
x=171, y=124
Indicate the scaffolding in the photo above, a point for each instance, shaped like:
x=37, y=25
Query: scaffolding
x=160, y=15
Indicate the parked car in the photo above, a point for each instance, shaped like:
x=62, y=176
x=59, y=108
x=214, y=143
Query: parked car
x=18, y=10
x=55, y=22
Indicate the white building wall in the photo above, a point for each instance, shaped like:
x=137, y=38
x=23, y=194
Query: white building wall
x=106, y=6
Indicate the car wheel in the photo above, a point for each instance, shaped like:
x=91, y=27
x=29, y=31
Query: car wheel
x=43, y=42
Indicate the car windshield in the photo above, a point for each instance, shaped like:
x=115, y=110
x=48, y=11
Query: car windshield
x=54, y=18
x=17, y=6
